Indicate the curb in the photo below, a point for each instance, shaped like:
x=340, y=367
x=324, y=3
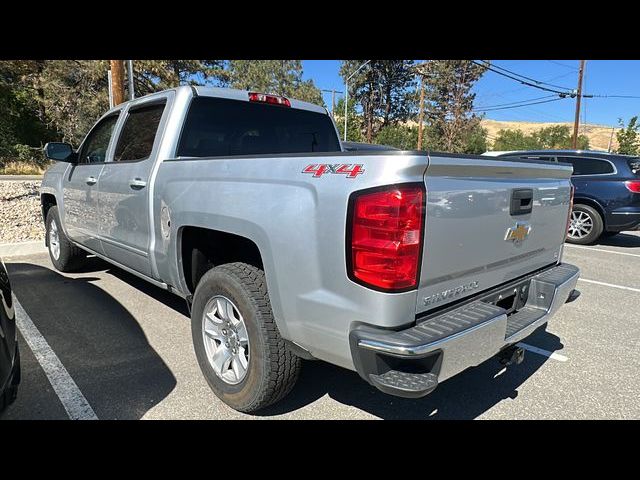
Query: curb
x=20, y=249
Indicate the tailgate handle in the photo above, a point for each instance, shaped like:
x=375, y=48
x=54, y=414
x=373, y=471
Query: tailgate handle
x=521, y=201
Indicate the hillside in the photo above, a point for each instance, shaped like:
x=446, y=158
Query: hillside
x=598, y=135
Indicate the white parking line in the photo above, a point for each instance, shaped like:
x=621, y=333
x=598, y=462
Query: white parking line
x=601, y=250
x=621, y=287
x=72, y=399
x=540, y=351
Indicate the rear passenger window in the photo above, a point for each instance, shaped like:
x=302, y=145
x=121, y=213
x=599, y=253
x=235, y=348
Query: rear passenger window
x=138, y=134
x=588, y=166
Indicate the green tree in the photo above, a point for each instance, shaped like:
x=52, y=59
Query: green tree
x=449, y=103
x=476, y=141
x=65, y=97
x=558, y=136
x=155, y=75
x=354, y=121
x=280, y=77
x=628, y=137
x=384, y=91
x=21, y=116
x=552, y=137
x=400, y=136
x=508, y=139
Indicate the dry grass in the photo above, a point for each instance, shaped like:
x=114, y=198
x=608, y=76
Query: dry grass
x=598, y=135
x=21, y=168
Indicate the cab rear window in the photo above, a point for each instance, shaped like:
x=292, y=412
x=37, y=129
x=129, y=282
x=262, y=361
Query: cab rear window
x=223, y=127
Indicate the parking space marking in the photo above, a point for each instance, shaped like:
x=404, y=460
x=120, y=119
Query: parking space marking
x=601, y=250
x=545, y=353
x=621, y=287
x=72, y=399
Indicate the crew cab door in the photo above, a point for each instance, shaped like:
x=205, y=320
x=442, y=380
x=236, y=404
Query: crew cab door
x=125, y=185
x=80, y=185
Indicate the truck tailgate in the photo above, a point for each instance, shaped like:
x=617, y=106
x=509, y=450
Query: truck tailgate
x=474, y=238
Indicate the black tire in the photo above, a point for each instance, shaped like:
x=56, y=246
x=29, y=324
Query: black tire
x=11, y=391
x=273, y=369
x=596, y=230
x=71, y=257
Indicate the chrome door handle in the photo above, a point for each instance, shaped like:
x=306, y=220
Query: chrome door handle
x=137, y=183
x=91, y=180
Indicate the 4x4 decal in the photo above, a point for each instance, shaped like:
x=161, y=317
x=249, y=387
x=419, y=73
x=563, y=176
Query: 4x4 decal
x=351, y=170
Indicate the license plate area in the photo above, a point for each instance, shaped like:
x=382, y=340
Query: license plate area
x=512, y=298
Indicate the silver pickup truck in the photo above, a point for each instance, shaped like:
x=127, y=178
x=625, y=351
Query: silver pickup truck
x=407, y=267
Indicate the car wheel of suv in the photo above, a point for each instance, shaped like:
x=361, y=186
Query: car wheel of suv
x=585, y=226
x=64, y=255
x=239, y=349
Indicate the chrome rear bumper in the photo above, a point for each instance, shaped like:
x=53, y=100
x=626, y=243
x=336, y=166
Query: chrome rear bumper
x=411, y=362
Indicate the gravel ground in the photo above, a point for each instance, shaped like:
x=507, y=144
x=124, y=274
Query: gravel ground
x=20, y=217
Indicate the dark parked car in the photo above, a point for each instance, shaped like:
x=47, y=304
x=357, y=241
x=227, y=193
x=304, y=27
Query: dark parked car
x=9, y=355
x=607, y=190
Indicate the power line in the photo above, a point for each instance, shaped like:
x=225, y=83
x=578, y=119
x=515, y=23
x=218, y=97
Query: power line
x=524, y=82
x=612, y=96
x=513, y=103
x=518, y=106
x=537, y=82
x=563, y=65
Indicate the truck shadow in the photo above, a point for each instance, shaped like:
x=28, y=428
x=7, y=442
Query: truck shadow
x=95, y=264
x=96, y=338
x=621, y=240
x=463, y=397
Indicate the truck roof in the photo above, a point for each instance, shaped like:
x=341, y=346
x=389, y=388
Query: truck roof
x=230, y=93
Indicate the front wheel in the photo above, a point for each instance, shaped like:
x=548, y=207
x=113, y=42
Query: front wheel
x=239, y=349
x=64, y=255
x=585, y=226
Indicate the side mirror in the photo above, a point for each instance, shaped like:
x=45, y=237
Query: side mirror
x=60, y=152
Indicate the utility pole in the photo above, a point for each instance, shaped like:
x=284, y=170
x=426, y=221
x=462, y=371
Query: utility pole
x=117, y=81
x=110, y=89
x=421, y=112
x=421, y=105
x=578, y=98
x=346, y=96
x=333, y=101
x=132, y=94
x=613, y=129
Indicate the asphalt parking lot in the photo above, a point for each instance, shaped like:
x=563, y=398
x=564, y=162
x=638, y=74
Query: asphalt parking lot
x=127, y=347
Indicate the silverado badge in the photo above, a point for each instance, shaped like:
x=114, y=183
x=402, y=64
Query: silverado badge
x=518, y=233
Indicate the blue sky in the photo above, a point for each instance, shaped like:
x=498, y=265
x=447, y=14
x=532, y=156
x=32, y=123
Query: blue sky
x=602, y=77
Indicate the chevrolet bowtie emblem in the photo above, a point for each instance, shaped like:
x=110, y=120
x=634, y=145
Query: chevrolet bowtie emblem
x=518, y=233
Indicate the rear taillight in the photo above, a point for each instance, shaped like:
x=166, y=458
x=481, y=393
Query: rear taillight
x=270, y=99
x=633, y=185
x=386, y=237
x=573, y=189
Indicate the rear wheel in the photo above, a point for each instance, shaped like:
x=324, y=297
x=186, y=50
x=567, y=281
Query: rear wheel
x=64, y=255
x=586, y=225
x=239, y=349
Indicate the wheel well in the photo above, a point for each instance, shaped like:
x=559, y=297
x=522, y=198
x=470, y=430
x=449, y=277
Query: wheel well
x=595, y=205
x=47, y=200
x=202, y=249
